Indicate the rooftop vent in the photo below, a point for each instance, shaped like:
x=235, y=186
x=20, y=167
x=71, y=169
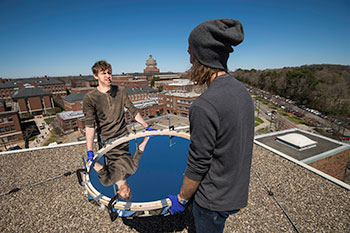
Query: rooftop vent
x=297, y=141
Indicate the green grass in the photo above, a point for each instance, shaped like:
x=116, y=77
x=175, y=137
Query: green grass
x=259, y=120
x=270, y=105
x=264, y=130
x=262, y=100
x=282, y=112
x=52, y=138
x=49, y=120
x=298, y=120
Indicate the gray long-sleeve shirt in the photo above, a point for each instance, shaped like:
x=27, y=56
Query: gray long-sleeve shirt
x=220, y=153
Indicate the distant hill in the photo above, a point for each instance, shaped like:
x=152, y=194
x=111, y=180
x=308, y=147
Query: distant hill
x=324, y=87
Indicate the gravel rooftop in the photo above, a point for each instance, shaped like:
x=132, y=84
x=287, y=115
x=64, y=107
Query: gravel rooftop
x=312, y=202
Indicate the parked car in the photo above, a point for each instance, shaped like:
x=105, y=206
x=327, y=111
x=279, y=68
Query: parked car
x=14, y=148
x=329, y=130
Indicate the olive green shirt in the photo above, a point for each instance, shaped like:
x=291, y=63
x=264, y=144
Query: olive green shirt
x=106, y=111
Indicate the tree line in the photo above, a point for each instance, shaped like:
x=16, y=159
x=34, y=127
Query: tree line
x=322, y=87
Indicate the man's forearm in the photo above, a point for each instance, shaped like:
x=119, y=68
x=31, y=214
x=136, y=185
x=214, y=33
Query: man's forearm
x=140, y=120
x=189, y=187
x=89, y=133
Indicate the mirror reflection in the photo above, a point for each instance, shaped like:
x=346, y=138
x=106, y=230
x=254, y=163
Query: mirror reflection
x=146, y=169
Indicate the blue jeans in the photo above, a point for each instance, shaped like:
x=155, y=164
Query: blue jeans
x=207, y=221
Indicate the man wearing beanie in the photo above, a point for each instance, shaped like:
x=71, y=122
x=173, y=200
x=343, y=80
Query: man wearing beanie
x=222, y=130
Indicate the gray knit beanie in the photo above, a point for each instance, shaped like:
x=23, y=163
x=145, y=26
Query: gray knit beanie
x=211, y=41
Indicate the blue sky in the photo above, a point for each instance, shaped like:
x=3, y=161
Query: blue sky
x=66, y=37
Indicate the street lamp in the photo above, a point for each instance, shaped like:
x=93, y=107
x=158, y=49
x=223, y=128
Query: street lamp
x=272, y=116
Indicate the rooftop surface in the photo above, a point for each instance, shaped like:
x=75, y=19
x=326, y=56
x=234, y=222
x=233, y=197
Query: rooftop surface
x=71, y=114
x=183, y=94
x=313, y=203
x=139, y=90
x=30, y=92
x=324, y=144
x=74, y=97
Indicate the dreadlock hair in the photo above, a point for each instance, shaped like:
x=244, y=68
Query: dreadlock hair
x=201, y=74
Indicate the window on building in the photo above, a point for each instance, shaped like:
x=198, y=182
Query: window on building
x=10, y=119
x=13, y=127
x=74, y=123
x=67, y=125
x=0, y=120
x=7, y=128
x=15, y=138
x=2, y=130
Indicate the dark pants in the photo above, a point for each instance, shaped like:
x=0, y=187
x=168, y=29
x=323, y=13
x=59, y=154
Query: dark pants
x=207, y=221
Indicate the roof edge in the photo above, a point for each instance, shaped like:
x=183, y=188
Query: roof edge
x=308, y=167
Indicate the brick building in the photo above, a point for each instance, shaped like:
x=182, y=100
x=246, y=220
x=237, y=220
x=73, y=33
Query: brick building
x=129, y=81
x=82, y=82
x=74, y=101
x=71, y=120
x=32, y=100
x=175, y=85
x=10, y=128
x=54, y=86
x=147, y=108
x=177, y=103
x=333, y=165
x=7, y=89
x=141, y=93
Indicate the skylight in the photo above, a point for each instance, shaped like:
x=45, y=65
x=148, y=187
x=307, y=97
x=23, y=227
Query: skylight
x=297, y=141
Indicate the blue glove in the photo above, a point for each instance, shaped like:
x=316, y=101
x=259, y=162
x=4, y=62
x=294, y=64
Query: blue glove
x=150, y=129
x=90, y=155
x=176, y=206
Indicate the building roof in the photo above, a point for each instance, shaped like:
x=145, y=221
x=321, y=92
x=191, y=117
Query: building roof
x=324, y=145
x=181, y=82
x=71, y=115
x=145, y=103
x=84, y=77
x=39, y=81
x=75, y=97
x=11, y=84
x=182, y=94
x=50, y=81
x=139, y=90
x=30, y=92
x=60, y=205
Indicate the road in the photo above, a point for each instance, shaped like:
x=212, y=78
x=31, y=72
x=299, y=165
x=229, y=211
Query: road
x=44, y=133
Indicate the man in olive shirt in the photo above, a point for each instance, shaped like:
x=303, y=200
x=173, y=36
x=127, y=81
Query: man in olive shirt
x=103, y=108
